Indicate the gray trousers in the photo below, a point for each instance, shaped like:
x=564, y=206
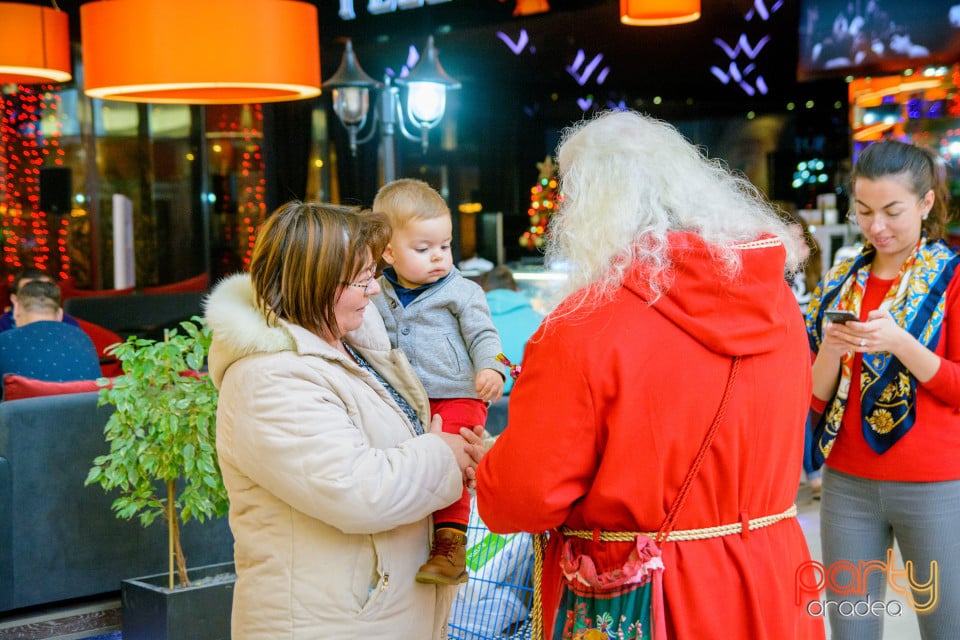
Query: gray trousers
x=859, y=520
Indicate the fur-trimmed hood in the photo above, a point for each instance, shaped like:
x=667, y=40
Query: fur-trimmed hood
x=240, y=328
x=330, y=488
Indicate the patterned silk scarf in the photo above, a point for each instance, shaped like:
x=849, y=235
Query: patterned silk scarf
x=887, y=389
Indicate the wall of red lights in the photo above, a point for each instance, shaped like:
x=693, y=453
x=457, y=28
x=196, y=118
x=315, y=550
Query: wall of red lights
x=29, y=236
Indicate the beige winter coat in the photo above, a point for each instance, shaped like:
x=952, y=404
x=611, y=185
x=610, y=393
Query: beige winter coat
x=330, y=489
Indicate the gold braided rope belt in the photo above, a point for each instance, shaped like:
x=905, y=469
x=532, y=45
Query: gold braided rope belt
x=689, y=534
x=540, y=543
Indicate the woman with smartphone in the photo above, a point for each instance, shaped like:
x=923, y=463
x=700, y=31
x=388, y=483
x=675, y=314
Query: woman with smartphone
x=885, y=327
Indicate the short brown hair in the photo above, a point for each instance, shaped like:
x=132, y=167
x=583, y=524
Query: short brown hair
x=409, y=199
x=29, y=274
x=304, y=252
x=39, y=295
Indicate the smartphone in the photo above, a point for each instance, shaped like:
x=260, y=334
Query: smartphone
x=840, y=317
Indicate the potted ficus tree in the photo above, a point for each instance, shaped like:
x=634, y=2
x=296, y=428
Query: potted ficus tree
x=163, y=463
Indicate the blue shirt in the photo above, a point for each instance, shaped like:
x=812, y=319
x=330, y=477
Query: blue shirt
x=49, y=350
x=404, y=295
x=7, y=322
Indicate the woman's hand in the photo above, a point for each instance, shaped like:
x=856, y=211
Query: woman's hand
x=879, y=332
x=467, y=447
x=839, y=339
x=836, y=342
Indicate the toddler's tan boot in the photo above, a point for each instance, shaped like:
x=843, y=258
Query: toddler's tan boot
x=448, y=559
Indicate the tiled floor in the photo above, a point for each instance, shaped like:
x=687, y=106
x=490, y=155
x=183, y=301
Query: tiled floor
x=895, y=628
x=93, y=618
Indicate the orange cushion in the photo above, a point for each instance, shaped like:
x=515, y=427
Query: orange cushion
x=18, y=387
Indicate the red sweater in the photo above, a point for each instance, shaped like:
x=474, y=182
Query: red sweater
x=930, y=450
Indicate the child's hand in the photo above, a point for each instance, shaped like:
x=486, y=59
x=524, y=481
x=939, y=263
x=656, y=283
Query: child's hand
x=489, y=385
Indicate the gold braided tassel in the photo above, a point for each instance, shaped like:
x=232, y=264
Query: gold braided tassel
x=536, y=612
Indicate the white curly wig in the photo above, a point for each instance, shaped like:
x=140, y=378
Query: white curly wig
x=627, y=180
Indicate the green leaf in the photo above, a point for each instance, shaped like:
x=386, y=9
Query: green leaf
x=93, y=476
x=163, y=428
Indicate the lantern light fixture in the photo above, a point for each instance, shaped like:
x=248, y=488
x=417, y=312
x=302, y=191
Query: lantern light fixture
x=651, y=13
x=351, y=87
x=36, y=44
x=209, y=52
x=426, y=84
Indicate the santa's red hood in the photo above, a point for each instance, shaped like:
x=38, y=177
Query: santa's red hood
x=742, y=317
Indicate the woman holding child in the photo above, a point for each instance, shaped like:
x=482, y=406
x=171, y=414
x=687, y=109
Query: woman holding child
x=331, y=470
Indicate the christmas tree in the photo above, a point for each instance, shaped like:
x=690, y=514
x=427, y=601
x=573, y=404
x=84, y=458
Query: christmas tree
x=544, y=201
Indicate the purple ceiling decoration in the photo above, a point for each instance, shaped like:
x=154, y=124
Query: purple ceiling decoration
x=760, y=9
x=742, y=45
x=516, y=47
x=582, y=70
x=582, y=76
x=741, y=68
x=413, y=56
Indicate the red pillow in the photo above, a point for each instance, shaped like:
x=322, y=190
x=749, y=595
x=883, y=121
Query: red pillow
x=103, y=338
x=18, y=387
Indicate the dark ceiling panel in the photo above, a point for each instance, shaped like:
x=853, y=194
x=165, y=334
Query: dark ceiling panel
x=741, y=54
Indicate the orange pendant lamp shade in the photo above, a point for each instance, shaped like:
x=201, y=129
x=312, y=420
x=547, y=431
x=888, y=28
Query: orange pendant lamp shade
x=34, y=44
x=200, y=51
x=530, y=7
x=649, y=13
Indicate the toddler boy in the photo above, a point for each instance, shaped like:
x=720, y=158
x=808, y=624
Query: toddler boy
x=442, y=323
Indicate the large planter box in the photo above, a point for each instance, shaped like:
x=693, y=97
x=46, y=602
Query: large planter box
x=151, y=611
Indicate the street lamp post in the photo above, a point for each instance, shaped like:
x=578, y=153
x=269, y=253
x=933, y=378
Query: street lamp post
x=427, y=85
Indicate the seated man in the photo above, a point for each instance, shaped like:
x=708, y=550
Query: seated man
x=22, y=278
x=41, y=346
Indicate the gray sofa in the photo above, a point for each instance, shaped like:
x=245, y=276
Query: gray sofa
x=59, y=539
x=145, y=315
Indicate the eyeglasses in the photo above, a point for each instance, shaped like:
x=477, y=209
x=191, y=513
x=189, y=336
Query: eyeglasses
x=365, y=283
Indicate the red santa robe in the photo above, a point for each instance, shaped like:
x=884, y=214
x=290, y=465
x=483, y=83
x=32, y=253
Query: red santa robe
x=610, y=410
